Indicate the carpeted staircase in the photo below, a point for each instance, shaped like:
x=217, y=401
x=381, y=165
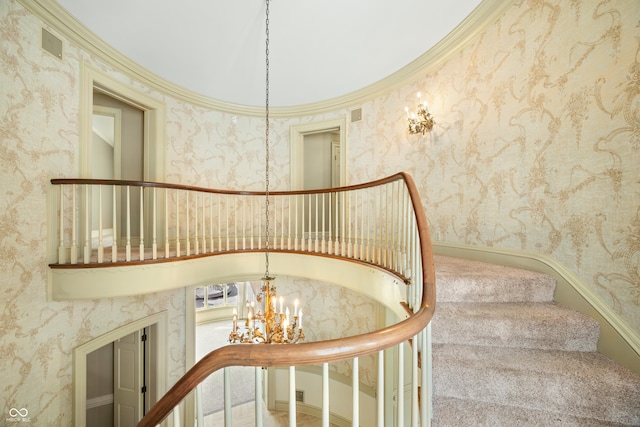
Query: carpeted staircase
x=505, y=355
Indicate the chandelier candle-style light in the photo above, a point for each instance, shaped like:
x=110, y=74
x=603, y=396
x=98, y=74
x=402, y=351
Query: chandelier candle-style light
x=421, y=121
x=266, y=324
x=270, y=323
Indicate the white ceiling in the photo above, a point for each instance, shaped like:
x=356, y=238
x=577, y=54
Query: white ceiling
x=318, y=50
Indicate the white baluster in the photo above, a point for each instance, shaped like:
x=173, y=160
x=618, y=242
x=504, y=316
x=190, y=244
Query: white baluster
x=415, y=422
x=323, y=235
x=87, y=226
x=325, y=395
x=363, y=214
x=203, y=224
x=61, y=249
x=347, y=208
x=211, y=222
x=295, y=241
x=258, y=398
x=114, y=246
x=260, y=225
x=330, y=236
x=252, y=233
x=292, y=396
x=178, y=223
x=100, y=234
x=380, y=395
x=282, y=232
x=317, y=230
x=400, y=392
x=356, y=208
x=228, y=421
x=355, y=387
x=244, y=244
x=337, y=235
x=235, y=224
x=219, y=223
x=199, y=413
x=227, y=223
x=154, y=226
x=302, y=224
x=342, y=225
x=141, y=223
x=166, y=224
x=187, y=233
x=427, y=377
x=128, y=244
x=176, y=416
x=196, y=237
x=74, y=238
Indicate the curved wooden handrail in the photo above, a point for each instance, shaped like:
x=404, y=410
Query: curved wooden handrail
x=275, y=355
x=150, y=184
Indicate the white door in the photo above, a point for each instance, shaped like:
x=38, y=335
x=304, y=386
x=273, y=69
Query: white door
x=127, y=380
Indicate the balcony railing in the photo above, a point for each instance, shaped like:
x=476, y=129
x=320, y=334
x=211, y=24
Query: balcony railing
x=103, y=223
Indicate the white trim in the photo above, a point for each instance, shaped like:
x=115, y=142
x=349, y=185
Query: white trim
x=96, y=402
x=154, y=119
x=54, y=15
x=617, y=339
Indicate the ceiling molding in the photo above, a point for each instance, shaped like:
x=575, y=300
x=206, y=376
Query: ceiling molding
x=55, y=16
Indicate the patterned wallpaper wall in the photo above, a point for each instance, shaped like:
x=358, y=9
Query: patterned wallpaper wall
x=537, y=148
x=39, y=104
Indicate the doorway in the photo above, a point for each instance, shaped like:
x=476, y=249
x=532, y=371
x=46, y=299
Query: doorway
x=318, y=160
x=119, y=380
x=122, y=137
x=119, y=375
x=331, y=132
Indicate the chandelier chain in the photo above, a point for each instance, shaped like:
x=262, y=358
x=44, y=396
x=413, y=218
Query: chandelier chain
x=267, y=242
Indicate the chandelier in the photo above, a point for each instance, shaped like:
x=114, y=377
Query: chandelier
x=265, y=323
x=421, y=121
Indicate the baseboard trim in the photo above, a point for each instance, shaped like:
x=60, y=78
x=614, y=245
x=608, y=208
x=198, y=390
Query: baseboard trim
x=95, y=402
x=617, y=340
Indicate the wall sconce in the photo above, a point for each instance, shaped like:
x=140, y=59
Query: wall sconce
x=421, y=121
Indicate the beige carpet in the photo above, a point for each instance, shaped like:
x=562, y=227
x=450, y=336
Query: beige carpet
x=506, y=355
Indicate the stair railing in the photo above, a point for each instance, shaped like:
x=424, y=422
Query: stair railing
x=102, y=223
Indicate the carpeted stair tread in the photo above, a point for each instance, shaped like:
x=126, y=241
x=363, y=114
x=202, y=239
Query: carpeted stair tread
x=526, y=325
x=580, y=384
x=453, y=412
x=461, y=280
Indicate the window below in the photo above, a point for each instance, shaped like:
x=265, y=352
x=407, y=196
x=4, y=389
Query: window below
x=216, y=296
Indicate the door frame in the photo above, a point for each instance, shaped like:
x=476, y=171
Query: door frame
x=153, y=139
x=159, y=320
x=296, y=137
x=154, y=117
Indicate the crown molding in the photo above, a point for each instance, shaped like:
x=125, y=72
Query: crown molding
x=55, y=16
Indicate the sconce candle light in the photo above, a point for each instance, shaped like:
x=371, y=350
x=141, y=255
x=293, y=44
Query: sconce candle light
x=421, y=121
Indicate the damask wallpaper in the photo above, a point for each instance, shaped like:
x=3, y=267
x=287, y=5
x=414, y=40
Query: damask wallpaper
x=536, y=148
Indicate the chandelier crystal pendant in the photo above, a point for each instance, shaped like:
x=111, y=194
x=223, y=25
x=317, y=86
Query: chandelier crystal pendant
x=266, y=324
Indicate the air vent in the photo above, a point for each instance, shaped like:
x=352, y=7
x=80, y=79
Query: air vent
x=51, y=44
x=356, y=115
x=299, y=396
